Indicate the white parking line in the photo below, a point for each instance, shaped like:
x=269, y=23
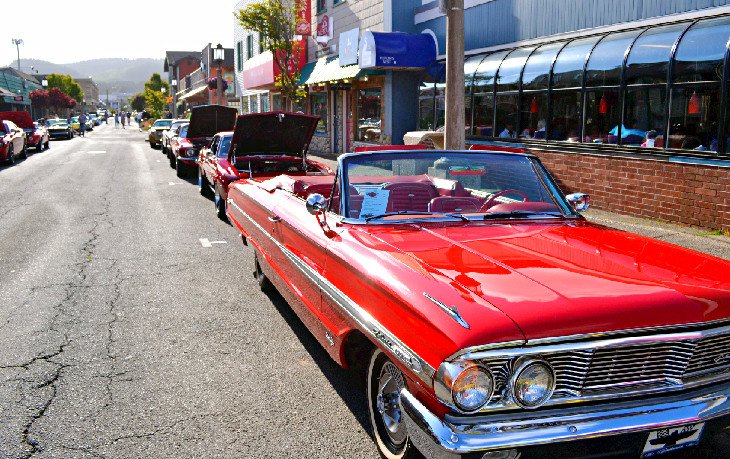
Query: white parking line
x=208, y=244
x=96, y=152
x=172, y=183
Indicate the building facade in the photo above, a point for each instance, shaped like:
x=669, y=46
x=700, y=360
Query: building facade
x=91, y=95
x=627, y=100
x=193, y=86
x=15, y=88
x=178, y=65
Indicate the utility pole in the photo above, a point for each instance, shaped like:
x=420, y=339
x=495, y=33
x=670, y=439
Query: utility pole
x=454, y=134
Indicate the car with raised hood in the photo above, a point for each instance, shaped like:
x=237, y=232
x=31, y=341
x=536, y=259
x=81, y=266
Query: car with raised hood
x=13, y=142
x=58, y=127
x=156, y=130
x=36, y=135
x=261, y=144
x=490, y=318
x=170, y=133
x=205, y=122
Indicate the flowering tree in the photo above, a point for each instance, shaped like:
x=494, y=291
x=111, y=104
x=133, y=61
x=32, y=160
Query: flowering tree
x=57, y=99
x=39, y=98
x=276, y=23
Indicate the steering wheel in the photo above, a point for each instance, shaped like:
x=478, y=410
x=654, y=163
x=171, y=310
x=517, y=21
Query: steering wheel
x=490, y=201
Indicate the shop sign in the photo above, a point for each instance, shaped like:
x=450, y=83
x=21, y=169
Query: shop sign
x=304, y=19
x=349, y=42
x=325, y=29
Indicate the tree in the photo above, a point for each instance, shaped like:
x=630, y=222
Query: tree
x=58, y=99
x=39, y=98
x=276, y=21
x=67, y=86
x=154, y=101
x=138, y=102
x=156, y=83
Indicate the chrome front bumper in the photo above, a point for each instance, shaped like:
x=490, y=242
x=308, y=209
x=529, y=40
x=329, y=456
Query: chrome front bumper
x=437, y=438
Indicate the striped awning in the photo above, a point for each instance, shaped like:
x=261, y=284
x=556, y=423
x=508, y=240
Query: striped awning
x=194, y=92
x=328, y=69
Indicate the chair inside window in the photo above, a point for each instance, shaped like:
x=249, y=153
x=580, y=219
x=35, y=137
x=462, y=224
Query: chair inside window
x=448, y=204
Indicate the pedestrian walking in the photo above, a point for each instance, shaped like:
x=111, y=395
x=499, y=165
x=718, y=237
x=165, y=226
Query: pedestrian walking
x=82, y=124
x=129, y=118
x=124, y=118
x=116, y=120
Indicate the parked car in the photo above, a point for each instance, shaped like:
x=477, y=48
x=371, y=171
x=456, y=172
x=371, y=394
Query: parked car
x=173, y=131
x=205, y=122
x=12, y=141
x=36, y=136
x=492, y=319
x=180, y=146
x=156, y=130
x=219, y=165
x=58, y=127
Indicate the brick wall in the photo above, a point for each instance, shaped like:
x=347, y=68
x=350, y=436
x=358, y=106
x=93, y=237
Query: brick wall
x=692, y=194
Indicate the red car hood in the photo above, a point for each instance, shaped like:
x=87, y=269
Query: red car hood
x=560, y=279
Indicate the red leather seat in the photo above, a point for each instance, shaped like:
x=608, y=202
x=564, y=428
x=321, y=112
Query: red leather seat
x=410, y=196
x=355, y=205
x=450, y=204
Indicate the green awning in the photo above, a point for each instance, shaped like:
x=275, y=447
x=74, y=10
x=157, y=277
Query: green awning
x=328, y=69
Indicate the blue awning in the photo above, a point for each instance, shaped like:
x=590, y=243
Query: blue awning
x=396, y=50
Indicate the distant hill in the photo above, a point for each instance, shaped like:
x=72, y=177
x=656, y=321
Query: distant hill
x=113, y=74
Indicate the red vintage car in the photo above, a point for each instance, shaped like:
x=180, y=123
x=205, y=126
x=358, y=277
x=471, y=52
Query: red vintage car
x=252, y=149
x=205, y=122
x=493, y=320
x=12, y=141
x=36, y=135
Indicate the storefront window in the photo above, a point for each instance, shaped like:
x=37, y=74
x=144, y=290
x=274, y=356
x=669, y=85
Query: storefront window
x=483, y=88
x=602, y=116
x=440, y=115
x=534, y=115
x=607, y=59
x=276, y=103
x=566, y=121
x=470, y=66
x=507, y=109
x=508, y=77
x=568, y=69
x=644, y=113
x=318, y=103
x=695, y=112
x=537, y=68
x=425, y=106
x=368, y=114
x=701, y=51
x=649, y=57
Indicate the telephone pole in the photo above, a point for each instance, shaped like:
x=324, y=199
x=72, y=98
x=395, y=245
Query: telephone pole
x=17, y=42
x=454, y=134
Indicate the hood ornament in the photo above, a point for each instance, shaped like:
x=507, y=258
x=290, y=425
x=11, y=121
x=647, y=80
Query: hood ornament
x=452, y=311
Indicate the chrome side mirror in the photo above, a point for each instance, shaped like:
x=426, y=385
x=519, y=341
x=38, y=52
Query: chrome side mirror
x=580, y=201
x=316, y=204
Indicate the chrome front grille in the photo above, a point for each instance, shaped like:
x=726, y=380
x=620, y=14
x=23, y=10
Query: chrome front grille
x=610, y=368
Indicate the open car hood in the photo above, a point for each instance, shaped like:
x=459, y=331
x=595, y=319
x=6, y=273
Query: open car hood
x=273, y=133
x=22, y=119
x=208, y=120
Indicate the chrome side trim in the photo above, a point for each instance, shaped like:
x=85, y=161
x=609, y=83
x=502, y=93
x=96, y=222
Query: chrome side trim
x=452, y=311
x=365, y=321
x=485, y=347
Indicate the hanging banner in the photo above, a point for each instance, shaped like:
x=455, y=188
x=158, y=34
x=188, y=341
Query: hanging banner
x=348, y=46
x=325, y=30
x=304, y=18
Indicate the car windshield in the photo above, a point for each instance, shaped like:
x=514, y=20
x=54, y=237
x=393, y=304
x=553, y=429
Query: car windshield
x=474, y=185
x=184, y=131
x=56, y=122
x=224, y=146
x=75, y=119
x=163, y=123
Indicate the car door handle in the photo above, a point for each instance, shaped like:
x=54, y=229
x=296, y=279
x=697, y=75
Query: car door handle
x=274, y=218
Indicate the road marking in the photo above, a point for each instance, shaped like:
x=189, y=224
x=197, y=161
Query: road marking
x=172, y=183
x=96, y=152
x=158, y=160
x=208, y=244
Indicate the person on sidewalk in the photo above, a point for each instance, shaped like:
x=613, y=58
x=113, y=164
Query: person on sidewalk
x=82, y=124
x=116, y=120
x=124, y=118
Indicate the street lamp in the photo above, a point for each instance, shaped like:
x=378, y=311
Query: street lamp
x=17, y=42
x=218, y=58
x=173, y=85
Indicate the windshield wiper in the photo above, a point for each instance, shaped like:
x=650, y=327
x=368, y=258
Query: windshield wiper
x=519, y=214
x=414, y=212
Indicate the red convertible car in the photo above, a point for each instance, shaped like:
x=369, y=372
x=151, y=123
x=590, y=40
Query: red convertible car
x=255, y=148
x=492, y=319
x=12, y=141
x=205, y=122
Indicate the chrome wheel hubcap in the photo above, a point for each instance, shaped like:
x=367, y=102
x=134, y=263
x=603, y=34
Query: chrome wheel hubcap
x=390, y=384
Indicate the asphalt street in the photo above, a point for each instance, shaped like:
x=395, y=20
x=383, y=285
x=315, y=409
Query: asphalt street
x=122, y=336
x=131, y=325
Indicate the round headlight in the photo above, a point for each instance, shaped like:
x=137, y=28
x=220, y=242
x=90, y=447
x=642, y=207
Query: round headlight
x=472, y=388
x=534, y=383
x=189, y=153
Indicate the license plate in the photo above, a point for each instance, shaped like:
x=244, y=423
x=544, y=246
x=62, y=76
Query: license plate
x=672, y=438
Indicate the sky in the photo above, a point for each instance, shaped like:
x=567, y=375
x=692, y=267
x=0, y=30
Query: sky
x=63, y=32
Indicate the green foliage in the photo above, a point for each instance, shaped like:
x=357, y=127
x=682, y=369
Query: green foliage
x=156, y=83
x=138, y=102
x=67, y=85
x=275, y=21
x=154, y=102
